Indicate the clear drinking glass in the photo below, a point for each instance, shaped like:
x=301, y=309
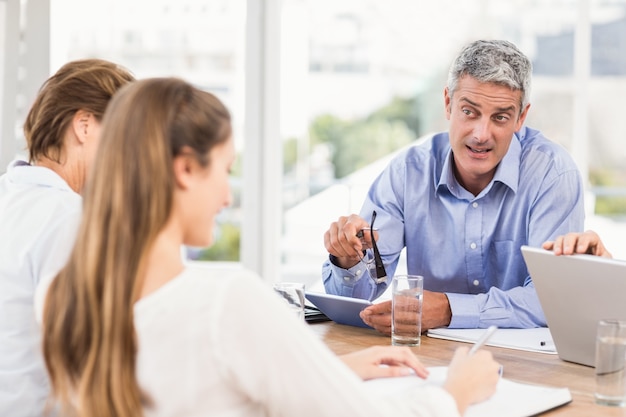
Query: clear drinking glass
x=610, y=361
x=406, y=310
x=293, y=295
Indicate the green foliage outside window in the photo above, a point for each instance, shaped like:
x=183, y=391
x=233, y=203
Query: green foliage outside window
x=607, y=202
x=226, y=246
x=357, y=143
x=353, y=143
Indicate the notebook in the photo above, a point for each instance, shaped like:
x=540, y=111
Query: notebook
x=314, y=315
x=532, y=340
x=511, y=399
x=576, y=292
x=342, y=310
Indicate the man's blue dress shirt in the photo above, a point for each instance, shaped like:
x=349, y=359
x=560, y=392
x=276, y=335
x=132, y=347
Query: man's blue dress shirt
x=464, y=245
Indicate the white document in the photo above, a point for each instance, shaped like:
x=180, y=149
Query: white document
x=534, y=340
x=511, y=399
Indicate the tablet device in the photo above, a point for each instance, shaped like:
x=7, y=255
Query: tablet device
x=342, y=310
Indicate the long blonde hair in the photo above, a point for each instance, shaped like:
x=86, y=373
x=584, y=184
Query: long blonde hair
x=89, y=338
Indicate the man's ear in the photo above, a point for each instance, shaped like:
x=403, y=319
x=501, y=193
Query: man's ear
x=447, y=100
x=522, y=117
x=81, y=124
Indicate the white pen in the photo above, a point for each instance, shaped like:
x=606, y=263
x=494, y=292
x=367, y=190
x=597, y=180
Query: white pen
x=485, y=337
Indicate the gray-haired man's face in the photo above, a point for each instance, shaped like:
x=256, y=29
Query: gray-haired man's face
x=483, y=118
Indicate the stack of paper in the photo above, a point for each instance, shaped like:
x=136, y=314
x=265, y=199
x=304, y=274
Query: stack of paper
x=533, y=340
x=512, y=399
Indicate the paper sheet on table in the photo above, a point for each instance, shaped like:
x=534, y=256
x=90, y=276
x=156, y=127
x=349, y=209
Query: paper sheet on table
x=533, y=340
x=512, y=399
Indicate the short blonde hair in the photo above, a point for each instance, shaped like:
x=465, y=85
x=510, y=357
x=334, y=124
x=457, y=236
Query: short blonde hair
x=87, y=84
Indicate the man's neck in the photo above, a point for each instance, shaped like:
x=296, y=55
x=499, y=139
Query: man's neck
x=474, y=185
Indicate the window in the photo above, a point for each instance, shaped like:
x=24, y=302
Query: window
x=363, y=79
x=201, y=41
x=358, y=81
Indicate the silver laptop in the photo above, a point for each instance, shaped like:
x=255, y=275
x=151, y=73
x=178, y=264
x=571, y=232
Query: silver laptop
x=576, y=292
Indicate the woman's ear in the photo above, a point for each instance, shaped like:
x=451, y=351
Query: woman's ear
x=185, y=166
x=82, y=123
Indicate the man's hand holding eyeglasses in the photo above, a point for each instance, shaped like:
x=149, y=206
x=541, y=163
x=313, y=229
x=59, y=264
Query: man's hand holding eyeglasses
x=342, y=242
x=435, y=313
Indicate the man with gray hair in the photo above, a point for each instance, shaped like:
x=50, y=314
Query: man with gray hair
x=462, y=204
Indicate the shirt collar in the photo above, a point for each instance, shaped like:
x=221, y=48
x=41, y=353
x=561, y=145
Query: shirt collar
x=507, y=171
x=22, y=172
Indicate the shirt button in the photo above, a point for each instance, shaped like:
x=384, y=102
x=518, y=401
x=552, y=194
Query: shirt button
x=358, y=273
x=476, y=283
x=474, y=204
x=347, y=279
x=473, y=245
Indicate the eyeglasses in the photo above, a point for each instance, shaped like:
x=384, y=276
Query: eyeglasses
x=373, y=262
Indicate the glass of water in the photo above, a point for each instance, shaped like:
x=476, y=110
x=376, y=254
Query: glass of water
x=292, y=293
x=610, y=362
x=406, y=310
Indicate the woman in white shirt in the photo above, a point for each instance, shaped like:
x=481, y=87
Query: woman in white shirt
x=130, y=330
x=40, y=208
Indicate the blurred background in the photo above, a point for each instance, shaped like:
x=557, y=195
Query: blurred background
x=324, y=92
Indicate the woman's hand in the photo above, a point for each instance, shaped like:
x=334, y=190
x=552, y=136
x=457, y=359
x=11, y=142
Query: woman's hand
x=471, y=379
x=383, y=362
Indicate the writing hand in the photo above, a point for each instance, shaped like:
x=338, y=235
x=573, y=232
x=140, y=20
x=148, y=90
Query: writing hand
x=471, y=378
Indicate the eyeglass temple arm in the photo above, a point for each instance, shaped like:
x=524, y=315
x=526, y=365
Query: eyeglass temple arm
x=378, y=261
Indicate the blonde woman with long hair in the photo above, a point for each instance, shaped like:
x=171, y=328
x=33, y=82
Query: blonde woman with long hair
x=130, y=330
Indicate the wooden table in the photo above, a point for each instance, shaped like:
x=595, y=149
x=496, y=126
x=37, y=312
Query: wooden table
x=520, y=366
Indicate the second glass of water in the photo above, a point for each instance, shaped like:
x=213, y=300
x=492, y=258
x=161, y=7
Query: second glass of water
x=610, y=362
